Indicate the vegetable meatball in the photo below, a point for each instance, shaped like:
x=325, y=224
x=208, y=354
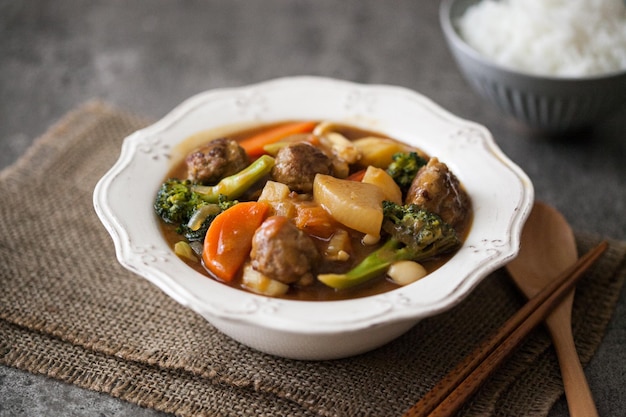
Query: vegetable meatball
x=297, y=164
x=218, y=159
x=283, y=252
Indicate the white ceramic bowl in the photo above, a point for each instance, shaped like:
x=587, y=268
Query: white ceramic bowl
x=502, y=197
x=550, y=105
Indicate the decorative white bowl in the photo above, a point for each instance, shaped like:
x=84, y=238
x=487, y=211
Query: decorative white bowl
x=501, y=193
x=546, y=104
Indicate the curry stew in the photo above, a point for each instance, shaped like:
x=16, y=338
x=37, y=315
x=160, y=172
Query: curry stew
x=304, y=204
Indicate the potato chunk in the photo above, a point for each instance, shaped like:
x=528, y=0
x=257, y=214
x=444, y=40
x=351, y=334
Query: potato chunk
x=378, y=151
x=357, y=205
x=276, y=195
x=382, y=180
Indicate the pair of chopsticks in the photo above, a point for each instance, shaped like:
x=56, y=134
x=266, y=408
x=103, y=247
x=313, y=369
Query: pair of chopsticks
x=447, y=397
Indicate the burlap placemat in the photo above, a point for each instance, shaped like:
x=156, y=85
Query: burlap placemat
x=71, y=312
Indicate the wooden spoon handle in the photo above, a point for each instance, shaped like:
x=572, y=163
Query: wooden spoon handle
x=579, y=399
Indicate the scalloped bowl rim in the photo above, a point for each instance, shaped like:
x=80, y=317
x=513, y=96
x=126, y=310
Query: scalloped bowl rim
x=121, y=200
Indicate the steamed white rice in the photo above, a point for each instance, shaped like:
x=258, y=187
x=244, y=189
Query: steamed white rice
x=568, y=38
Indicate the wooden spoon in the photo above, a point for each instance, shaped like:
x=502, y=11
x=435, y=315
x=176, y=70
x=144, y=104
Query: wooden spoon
x=547, y=248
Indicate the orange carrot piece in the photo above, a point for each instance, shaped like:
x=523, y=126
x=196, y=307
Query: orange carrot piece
x=315, y=220
x=357, y=176
x=255, y=143
x=228, y=241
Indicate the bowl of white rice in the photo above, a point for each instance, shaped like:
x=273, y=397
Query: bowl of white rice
x=556, y=66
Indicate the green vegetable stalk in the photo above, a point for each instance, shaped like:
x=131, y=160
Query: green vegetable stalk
x=234, y=186
x=371, y=267
x=415, y=234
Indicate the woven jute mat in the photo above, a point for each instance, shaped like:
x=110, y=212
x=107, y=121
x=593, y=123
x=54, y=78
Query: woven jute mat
x=68, y=310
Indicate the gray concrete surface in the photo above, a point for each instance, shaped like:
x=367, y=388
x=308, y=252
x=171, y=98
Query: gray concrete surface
x=147, y=56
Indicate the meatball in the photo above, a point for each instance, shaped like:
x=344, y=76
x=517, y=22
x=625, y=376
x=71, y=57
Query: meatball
x=437, y=189
x=283, y=252
x=219, y=158
x=297, y=164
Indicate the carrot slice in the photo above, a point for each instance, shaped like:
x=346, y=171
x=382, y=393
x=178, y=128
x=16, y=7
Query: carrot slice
x=255, y=143
x=314, y=220
x=357, y=176
x=228, y=241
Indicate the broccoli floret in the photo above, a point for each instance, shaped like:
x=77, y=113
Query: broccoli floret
x=415, y=234
x=178, y=201
x=404, y=167
x=423, y=233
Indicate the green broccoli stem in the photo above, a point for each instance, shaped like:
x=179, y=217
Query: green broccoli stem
x=235, y=185
x=372, y=266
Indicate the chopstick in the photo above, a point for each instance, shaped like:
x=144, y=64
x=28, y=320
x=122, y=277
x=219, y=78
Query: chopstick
x=447, y=397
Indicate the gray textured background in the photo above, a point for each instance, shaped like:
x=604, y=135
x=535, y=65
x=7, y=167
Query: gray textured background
x=148, y=56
